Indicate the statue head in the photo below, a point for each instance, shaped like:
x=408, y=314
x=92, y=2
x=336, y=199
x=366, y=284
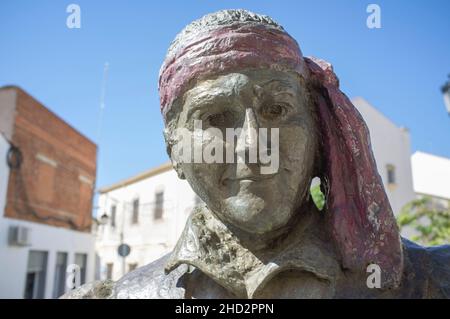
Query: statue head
x=259, y=85
x=250, y=121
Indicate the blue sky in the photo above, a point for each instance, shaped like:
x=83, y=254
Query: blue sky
x=399, y=68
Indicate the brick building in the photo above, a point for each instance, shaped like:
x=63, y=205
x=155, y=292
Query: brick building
x=46, y=191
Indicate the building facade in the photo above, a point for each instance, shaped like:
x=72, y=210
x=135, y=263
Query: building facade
x=47, y=176
x=148, y=211
x=431, y=176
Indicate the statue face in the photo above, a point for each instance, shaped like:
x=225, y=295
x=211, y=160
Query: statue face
x=237, y=191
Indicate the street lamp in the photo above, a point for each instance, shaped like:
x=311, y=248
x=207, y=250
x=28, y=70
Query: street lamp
x=446, y=92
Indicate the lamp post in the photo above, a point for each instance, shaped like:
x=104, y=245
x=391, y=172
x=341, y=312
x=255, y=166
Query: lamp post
x=104, y=219
x=446, y=92
x=123, y=249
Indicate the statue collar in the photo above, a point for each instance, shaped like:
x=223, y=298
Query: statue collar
x=207, y=244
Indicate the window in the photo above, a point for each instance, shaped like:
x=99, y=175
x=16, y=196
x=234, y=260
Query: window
x=135, y=215
x=391, y=174
x=60, y=275
x=35, y=276
x=109, y=270
x=81, y=261
x=113, y=215
x=132, y=266
x=159, y=204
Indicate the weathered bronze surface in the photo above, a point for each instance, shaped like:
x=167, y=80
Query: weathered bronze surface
x=260, y=235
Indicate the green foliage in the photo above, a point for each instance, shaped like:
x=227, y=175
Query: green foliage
x=318, y=197
x=429, y=219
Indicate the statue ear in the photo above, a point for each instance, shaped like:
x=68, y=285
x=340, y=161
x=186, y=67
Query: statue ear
x=169, y=144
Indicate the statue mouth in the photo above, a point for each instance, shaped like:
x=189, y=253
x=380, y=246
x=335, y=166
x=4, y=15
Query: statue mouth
x=248, y=178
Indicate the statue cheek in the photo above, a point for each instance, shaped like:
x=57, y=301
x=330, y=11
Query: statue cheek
x=297, y=144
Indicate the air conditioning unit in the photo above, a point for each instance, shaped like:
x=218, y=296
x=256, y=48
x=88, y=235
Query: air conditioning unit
x=19, y=236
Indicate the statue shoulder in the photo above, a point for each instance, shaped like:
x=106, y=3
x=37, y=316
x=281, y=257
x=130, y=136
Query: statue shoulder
x=439, y=270
x=434, y=263
x=151, y=282
x=93, y=290
x=147, y=282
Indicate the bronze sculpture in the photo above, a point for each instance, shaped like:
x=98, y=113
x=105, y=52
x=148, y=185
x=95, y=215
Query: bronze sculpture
x=260, y=235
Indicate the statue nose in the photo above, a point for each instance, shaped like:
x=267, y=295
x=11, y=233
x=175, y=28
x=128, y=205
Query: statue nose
x=247, y=143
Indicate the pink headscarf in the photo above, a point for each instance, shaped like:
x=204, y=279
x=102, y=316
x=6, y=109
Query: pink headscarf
x=358, y=210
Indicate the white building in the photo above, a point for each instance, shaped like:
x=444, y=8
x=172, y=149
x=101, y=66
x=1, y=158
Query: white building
x=4, y=170
x=431, y=176
x=148, y=211
x=37, y=268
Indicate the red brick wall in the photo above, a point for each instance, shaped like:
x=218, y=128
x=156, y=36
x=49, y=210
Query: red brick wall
x=48, y=187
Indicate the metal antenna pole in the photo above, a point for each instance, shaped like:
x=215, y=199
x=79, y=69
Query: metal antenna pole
x=100, y=121
x=102, y=101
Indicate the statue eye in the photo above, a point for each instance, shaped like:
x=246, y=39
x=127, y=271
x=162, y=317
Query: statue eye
x=273, y=111
x=218, y=119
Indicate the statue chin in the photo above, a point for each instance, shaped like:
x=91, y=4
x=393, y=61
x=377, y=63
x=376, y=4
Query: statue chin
x=255, y=215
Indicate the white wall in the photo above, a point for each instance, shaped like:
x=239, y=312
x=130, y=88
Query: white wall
x=391, y=146
x=8, y=98
x=4, y=173
x=14, y=259
x=431, y=175
x=149, y=239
